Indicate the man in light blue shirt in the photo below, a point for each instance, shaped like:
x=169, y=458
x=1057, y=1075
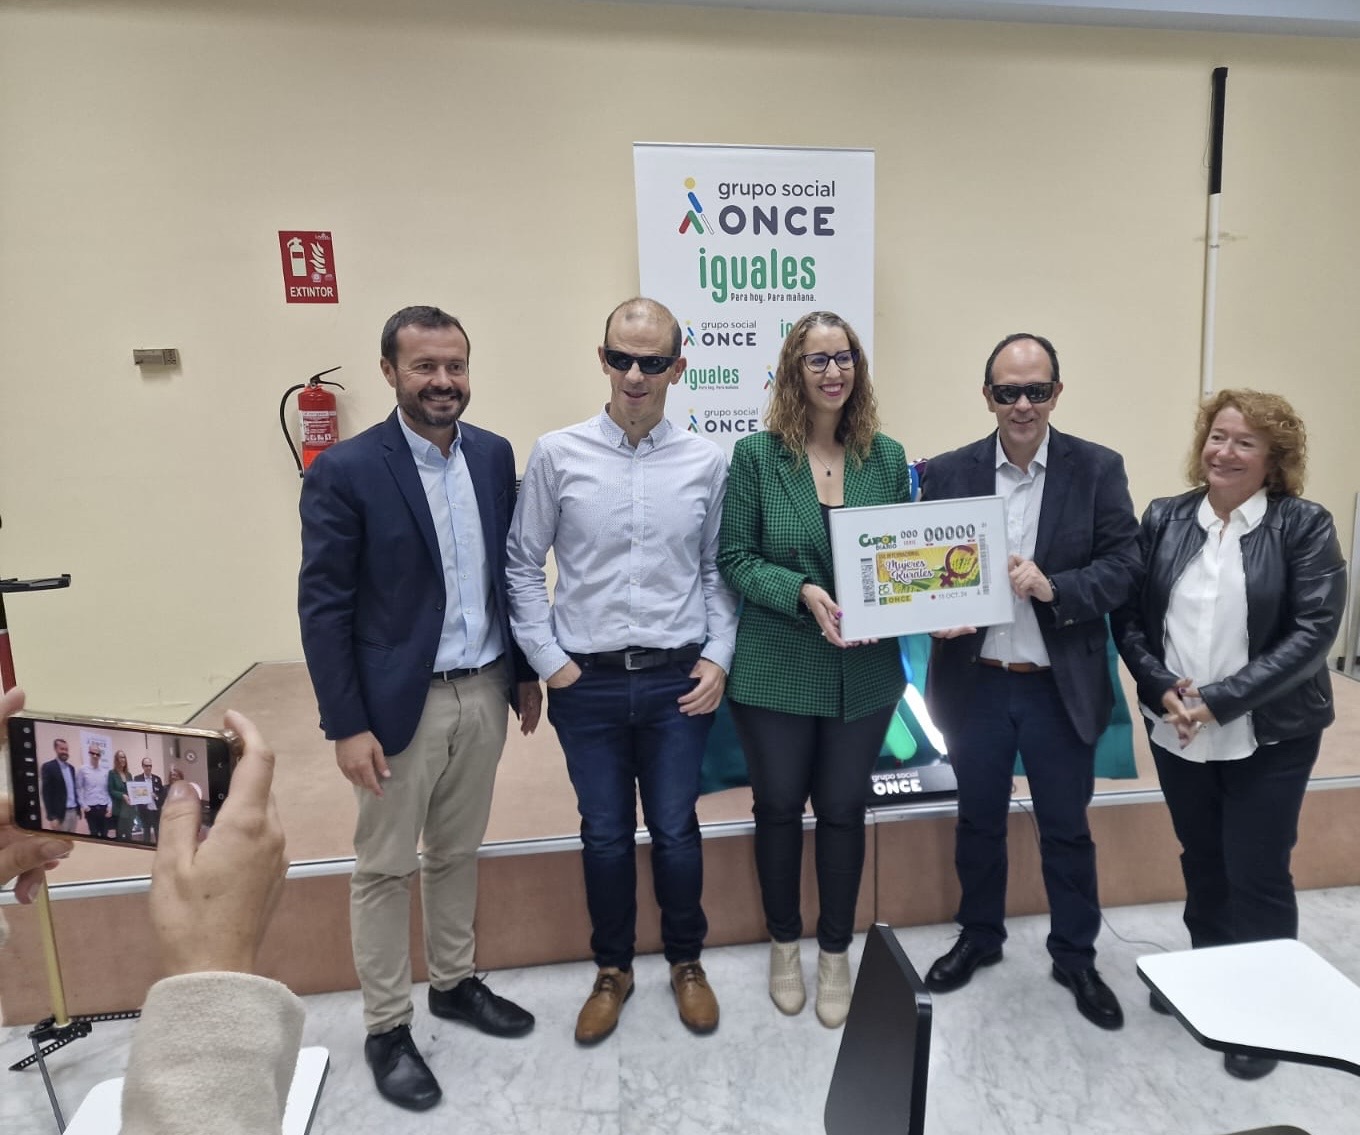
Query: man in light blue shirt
x=402, y=605
x=92, y=790
x=635, y=647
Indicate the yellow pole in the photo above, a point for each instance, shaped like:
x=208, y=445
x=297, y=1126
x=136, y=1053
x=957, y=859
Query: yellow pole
x=49, y=936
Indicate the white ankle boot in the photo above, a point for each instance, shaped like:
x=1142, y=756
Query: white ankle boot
x=833, y=988
x=786, y=977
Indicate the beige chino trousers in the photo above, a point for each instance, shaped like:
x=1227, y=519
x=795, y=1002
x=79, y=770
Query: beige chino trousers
x=439, y=795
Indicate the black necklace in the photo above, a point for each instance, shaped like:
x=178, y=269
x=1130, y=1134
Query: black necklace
x=812, y=453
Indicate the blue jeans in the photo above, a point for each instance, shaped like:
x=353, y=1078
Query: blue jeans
x=1025, y=712
x=618, y=729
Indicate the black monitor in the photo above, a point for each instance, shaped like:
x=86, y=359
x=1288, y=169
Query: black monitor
x=879, y=1085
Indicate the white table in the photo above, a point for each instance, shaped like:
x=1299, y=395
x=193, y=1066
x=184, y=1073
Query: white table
x=102, y=1109
x=1272, y=999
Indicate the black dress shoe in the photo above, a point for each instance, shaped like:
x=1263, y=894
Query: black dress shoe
x=1157, y=1003
x=1246, y=1067
x=1095, y=1000
x=471, y=1002
x=402, y=1076
x=955, y=969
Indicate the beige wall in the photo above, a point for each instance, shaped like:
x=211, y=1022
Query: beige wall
x=478, y=157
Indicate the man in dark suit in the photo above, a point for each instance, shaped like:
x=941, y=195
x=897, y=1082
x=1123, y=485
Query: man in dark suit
x=150, y=813
x=403, y=609
x=59, y=796
x=1040, y=684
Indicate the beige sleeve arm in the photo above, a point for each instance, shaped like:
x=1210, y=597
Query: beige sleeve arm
x=213, y=1054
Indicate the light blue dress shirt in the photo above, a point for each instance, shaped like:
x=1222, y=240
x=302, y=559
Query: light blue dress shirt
x=92, y=787
x=69, y=775
x=470, y=636
x=634, y=534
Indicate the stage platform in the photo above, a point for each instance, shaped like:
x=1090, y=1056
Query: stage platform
x=532, y=900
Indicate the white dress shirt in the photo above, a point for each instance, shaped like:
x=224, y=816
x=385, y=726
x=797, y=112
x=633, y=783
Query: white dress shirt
x=1206, y=630
x=469, y=637
x=1020, y=640
x=634, y=533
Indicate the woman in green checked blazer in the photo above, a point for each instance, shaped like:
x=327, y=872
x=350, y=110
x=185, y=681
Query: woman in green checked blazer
x=811, y=709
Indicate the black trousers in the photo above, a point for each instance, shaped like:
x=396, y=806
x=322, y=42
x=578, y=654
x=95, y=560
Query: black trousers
x=1237, y=822
x=793, y=757
x=151, y=823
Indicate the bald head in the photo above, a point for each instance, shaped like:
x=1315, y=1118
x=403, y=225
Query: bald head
x=640, y=311
x=1029, y=342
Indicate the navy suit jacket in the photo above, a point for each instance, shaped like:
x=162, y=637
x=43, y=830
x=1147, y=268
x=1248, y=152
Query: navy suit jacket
x=1087, y=545
x=54, y=789
x=371, y=590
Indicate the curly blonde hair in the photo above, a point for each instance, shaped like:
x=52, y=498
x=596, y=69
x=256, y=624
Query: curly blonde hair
x=1274, y=419
x=787, y=414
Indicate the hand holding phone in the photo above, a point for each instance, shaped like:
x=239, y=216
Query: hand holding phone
x=211, y=900
x=23, y=855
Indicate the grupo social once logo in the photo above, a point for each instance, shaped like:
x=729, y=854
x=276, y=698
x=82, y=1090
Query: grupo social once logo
x=720, y=333
x=694, y=217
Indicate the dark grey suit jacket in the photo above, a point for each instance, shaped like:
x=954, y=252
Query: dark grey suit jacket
x=1087, y=544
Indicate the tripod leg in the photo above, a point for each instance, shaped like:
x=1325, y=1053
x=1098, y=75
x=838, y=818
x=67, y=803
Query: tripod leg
x=47, y=1083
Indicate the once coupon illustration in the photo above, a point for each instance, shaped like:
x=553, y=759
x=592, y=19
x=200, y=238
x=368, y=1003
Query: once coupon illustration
x=908, y=568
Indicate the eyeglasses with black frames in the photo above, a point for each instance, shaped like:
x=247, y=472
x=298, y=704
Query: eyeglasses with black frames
x=1007, y=394
x=647, y=364
x=818, y=361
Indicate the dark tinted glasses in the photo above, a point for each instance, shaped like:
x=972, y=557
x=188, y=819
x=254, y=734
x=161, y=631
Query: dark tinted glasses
x=647, y=364
x=1007, y=395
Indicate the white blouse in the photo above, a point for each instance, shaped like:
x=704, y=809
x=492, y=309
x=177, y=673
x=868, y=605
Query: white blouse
x=1206, y=629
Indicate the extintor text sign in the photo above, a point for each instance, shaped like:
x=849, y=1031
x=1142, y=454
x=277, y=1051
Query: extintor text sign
x=308, y=267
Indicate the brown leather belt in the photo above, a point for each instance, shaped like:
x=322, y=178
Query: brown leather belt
x=1014, y=667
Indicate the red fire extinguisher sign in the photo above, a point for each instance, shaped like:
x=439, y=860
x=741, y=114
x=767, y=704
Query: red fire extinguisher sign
x=308, y=267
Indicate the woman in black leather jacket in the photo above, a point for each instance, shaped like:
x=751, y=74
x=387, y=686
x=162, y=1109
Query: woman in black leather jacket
x=1241, y=600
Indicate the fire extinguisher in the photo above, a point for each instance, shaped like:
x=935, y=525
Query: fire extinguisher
x=316, y=412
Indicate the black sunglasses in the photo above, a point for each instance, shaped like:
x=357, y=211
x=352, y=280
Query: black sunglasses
x=1008, y=395
x=647, y=364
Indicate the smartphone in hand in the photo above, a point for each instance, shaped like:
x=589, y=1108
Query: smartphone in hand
x=102, y=780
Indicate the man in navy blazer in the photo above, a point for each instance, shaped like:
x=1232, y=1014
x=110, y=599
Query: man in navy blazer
x=61, y=801
x=403, y=609
x=1040, y=684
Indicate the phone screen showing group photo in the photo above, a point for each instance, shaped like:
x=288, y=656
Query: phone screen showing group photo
x=98, y=782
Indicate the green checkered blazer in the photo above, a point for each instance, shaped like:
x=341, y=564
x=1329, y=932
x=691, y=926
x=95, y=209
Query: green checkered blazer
x=773, y=541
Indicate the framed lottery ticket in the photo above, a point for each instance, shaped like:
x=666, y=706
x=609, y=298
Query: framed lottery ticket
x=908, y=568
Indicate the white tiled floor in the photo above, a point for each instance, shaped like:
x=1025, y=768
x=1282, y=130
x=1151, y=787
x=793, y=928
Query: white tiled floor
x=1010, y=1055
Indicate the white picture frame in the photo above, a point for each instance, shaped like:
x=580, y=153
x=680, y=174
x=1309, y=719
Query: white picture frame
x=927, y=566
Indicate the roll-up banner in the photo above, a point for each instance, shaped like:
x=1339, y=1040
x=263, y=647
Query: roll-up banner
x=739, y=241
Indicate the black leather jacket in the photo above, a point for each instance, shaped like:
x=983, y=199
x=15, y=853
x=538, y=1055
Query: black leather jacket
x=1296, y=589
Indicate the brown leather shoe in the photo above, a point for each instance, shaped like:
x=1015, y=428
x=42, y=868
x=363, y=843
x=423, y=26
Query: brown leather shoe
x=693, y=997
x=600, y=1014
